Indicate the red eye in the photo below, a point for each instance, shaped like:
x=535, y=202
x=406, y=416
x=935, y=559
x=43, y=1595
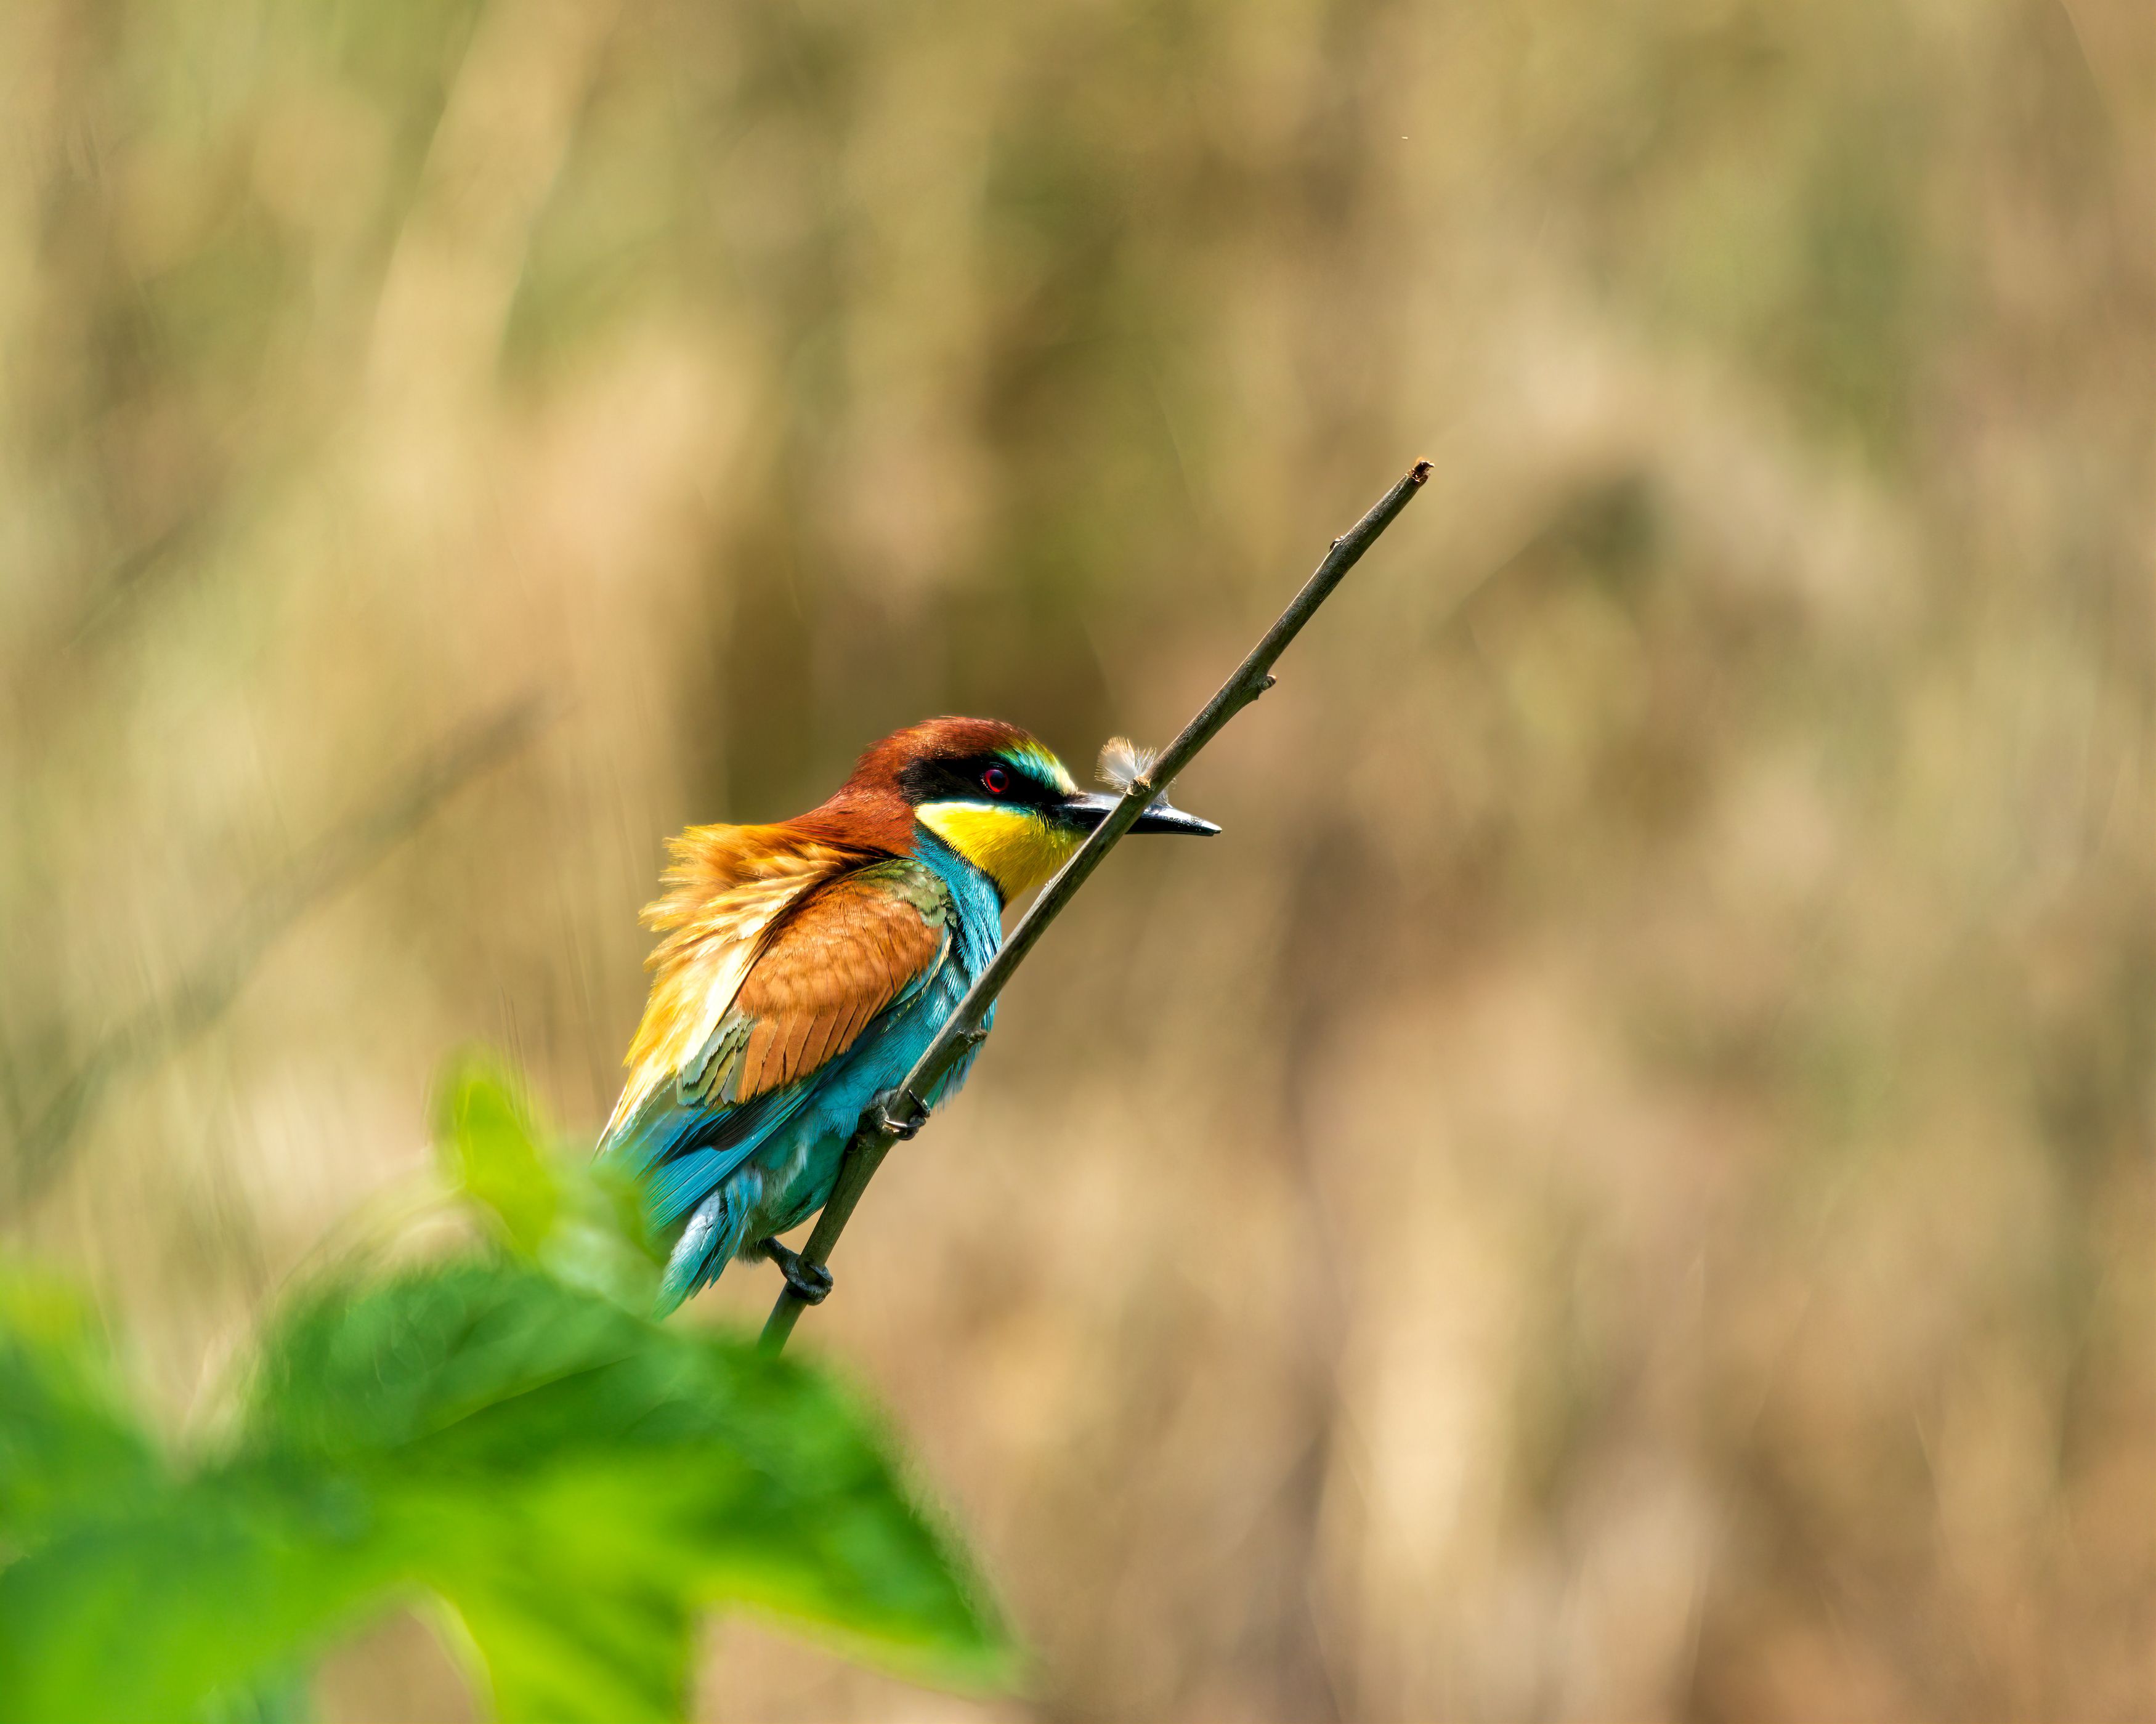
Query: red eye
x=997, y=780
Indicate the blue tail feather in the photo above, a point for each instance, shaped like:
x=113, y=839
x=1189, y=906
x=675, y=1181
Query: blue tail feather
x=682, y=1183
x=715, y=1232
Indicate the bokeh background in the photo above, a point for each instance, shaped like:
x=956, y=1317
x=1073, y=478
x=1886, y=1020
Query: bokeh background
x=1621, y=1188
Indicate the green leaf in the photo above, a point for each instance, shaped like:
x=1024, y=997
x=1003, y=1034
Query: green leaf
x=559, y=1453
x=576, y=1480
x=72, y=1456
x=182, y=1602
x=600, y=1241
x=285, y=1696
x=582, y=1219
x=488, y=1141
x=591, y=1654
x=68, y=1446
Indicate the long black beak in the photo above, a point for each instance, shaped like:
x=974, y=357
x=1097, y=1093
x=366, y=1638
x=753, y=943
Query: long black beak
x=1087, y=809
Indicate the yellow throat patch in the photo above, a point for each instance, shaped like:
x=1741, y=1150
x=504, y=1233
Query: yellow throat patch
x=1016, y=847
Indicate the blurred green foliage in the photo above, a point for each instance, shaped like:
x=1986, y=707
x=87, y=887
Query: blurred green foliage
x=505, y=1431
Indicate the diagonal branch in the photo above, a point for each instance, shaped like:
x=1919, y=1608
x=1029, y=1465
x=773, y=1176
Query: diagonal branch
x=881, y=1125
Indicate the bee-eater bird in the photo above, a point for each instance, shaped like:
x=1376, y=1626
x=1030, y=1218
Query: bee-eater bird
x=806, y=964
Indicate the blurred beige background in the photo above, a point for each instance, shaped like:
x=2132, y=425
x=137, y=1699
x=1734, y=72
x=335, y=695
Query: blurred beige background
x=1622, y=1188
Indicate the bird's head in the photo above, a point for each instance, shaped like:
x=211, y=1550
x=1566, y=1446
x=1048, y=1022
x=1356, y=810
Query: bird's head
x=1000, y=797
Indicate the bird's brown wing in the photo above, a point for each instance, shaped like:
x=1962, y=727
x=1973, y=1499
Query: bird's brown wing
x=831, y=965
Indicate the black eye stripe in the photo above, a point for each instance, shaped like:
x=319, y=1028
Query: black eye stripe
x=964, y=780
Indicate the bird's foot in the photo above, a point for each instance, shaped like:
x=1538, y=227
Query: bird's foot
x=898, y=1113
x=811, y=1282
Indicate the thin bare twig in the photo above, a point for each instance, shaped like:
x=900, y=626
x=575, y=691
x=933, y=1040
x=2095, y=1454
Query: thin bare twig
x=206, y=991
x=879, y=1127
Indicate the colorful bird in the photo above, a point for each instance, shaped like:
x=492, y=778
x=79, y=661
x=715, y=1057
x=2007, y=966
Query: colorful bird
x=806, y=964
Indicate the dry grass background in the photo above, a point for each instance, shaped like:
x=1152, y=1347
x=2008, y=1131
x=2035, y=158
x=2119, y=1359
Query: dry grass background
x=1622, y=1188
